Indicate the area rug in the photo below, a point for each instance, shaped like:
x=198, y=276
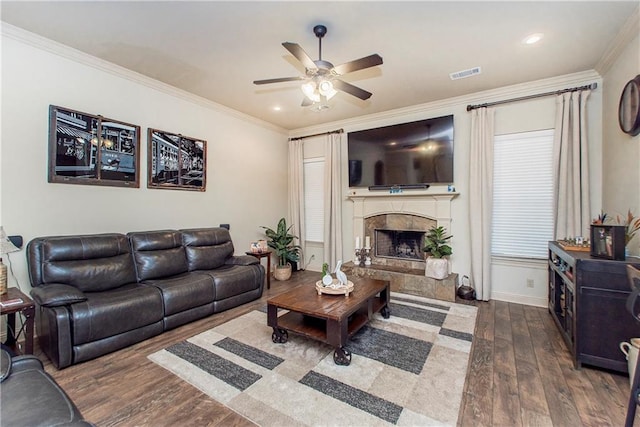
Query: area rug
x=408, y=370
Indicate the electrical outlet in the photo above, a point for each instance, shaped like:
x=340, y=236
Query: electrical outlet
x=529, y=283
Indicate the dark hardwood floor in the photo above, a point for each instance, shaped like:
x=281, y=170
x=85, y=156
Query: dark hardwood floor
x=520, y=374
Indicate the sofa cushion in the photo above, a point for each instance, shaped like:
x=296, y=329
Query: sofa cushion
x=158, y=254
x=207, y=248
x=232, y=280
x=185, y=291
x=90, y=263
x=105, y=314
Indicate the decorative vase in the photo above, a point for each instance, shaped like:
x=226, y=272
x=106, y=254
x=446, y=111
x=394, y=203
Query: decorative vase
x=327, y=279
x=282, y=273
x=437, y=268
x=3, y=278
x=630, y=351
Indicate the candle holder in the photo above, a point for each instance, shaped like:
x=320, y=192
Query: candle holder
x=358, y=259
x=367, y=256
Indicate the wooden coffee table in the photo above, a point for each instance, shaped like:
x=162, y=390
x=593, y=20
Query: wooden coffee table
x=331, y=319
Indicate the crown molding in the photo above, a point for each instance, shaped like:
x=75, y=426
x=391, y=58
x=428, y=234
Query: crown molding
x=627, y=33
x=64, y=51
x=492, y=95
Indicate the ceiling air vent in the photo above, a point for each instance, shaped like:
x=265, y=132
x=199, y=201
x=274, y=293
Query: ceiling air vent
x=465, y=73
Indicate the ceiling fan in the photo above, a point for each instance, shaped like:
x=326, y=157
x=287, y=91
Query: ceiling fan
x=321, y=77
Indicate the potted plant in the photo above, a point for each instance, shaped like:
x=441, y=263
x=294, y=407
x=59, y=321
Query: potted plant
x=281, y=241
x=435, y=245
x=632, y=225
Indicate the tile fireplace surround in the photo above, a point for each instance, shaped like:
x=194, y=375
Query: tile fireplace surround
x=409, y=211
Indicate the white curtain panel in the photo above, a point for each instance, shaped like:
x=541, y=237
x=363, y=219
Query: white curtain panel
x=296, y=193
x=481, y=199
x=333, y=198
x=571, y=166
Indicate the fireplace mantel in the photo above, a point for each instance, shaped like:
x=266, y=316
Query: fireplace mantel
x=433, y=205
x=354, y=194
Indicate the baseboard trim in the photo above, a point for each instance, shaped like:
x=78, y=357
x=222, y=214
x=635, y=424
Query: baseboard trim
x=519, y=299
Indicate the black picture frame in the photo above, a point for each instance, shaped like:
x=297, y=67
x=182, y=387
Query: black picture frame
x=608, y=241
x=176, y=162
x=90, y=149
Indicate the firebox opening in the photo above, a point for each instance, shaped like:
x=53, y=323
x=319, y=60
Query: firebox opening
x=403, y=244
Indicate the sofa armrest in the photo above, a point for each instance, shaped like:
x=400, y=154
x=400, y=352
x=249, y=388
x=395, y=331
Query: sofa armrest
x=57, y=295
x=242, y=260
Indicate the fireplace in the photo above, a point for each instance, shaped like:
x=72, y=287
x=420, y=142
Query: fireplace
x=399, y=244
x=397, y=239
x=396, y=225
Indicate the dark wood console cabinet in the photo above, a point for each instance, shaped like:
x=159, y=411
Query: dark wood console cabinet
x=587, y=299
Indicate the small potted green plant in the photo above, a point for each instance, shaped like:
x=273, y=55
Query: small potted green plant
x=281, y=241
x=437, y=248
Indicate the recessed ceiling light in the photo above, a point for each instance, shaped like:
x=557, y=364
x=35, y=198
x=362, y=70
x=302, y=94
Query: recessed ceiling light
x=533, y=38
x=277, y=108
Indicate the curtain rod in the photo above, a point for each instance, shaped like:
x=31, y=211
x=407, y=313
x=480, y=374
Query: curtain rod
x=317, y=134
x=592, y=86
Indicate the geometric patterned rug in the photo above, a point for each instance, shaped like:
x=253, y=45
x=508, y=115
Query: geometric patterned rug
x=408, y=370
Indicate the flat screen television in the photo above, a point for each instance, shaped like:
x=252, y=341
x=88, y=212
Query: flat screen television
x=415, y=154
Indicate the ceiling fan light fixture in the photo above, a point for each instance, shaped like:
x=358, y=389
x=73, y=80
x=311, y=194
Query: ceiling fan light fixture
x=309, y=90
x=320, y=82
x=320, y=106
x=326, y=89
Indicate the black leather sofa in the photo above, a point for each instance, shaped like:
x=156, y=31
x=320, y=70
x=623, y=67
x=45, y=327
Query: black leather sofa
x=31, y=397
x=99, y=293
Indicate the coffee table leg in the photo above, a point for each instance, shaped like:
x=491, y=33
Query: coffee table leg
x=279, y=336
x=342, y=356
x=386, y=312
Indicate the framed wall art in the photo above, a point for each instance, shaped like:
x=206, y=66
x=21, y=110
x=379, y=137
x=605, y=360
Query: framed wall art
x=92, y=150
x=176, y=161
x=607, y=241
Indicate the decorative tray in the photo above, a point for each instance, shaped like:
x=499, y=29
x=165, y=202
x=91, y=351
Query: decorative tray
x=335, y=288
x=570, y=246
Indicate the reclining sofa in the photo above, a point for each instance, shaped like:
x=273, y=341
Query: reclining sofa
x=99, y=293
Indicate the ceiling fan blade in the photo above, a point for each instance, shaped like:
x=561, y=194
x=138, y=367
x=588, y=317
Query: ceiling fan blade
x=351, y=89
x=358, y=64
x=280, y=80
x=300, y=55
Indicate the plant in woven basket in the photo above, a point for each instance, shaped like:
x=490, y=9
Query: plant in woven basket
x=281, y=241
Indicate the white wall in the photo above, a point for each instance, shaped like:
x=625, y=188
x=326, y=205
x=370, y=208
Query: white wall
x=509, y=276
x=621, y=155
x=246, y=159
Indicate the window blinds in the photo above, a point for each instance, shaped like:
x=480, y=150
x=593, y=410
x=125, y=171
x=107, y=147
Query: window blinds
x=314, y=199
x=522, y=194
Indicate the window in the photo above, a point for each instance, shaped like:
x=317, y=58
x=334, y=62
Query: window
x=522, y=194
x=314, y=199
